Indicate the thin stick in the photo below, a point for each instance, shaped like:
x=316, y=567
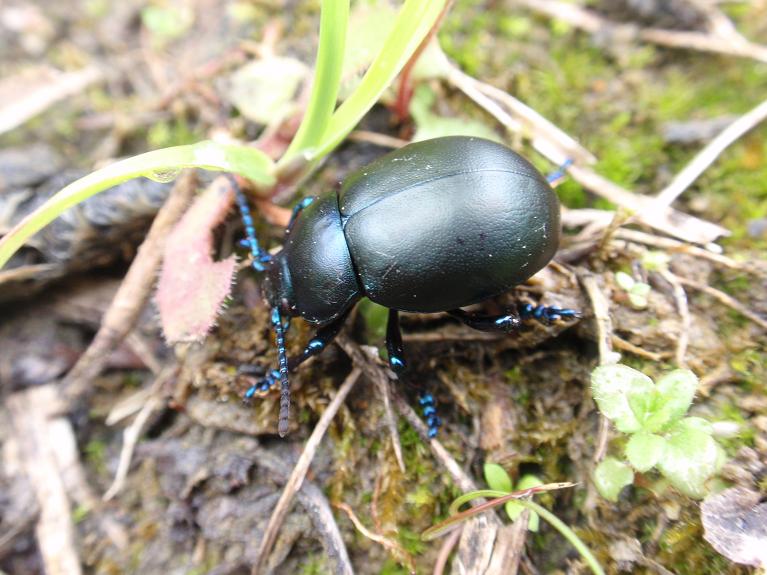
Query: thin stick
x=710, y=153
x=554, y=144
x=381, y=380
x=299, y=471
x=593, y=23
x=134, y=291
x=390, y=544
x=132, y=433
x=727, y=300
x=624, y=345
x=680, y=297
x=444, y=552
x=601, y=309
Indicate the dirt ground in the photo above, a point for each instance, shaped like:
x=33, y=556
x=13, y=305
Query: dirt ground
x=85, y=81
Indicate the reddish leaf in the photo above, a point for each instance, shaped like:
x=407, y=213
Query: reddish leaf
x=192, y=287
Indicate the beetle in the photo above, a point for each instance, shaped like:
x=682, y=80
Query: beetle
x=434, y=226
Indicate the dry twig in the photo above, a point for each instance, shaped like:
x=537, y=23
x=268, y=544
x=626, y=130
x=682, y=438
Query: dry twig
x=709, y=154
x=727, y=300
x=299, y=471
x=680, y=297
x=601, y=309
x=133, y=293
x=316, y=505
x=390, y=544
x=730, y=42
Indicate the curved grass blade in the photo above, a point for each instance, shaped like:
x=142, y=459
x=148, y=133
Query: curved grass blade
x=413, y=23
x=162, y=165
x=334, y=23
x=454, y=520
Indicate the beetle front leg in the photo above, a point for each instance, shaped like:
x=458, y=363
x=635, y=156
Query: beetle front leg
x=316, y=345
x=260, y=256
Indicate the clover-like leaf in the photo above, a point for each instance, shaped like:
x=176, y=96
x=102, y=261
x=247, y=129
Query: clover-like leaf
x=644, y=450
x=691, y=456
x=678, y=389
x=611, y=476
x=624, y=280
x=514, y=509
x=638, y=295
x=497, y=478
x=611, y=386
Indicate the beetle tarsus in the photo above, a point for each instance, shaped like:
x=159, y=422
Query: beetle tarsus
x=429, y=411
x=547, y=314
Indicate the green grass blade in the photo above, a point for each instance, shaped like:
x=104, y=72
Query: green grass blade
x=161, y=164
x=327, y=78
x=456, y=505
x=413, y=23
x=566, y=532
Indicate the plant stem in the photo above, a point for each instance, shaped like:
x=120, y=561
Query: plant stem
x=566, y=532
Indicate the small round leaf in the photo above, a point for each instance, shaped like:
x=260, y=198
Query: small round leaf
x=611, y=476
x=497, y=478
x=611, y=385
x=691, y=456
x=678, y=389
x=644, y=450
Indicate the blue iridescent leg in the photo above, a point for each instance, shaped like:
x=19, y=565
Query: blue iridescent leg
x=429, y=411
x=260, y=257
x=395, y=350
x=394, y=347
x=316, y=345
x=559, y=173
x=506, y=323
x=546, y=314
x=297, y=209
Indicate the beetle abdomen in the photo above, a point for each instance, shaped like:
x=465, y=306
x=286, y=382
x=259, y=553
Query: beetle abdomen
x=447, y=223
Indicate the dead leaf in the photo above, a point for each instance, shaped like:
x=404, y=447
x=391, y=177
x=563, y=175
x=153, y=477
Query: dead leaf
x=192, y=286
x=735, y=525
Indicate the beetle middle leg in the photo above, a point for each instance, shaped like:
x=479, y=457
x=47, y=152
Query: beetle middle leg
x=396, y=353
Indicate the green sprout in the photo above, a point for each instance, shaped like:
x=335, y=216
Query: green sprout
x=501, y=493
x=652, y=414
x=498, y=480
x=637, y=291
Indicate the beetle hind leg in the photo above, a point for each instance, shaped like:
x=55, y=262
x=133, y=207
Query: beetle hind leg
x=396, y=352
x=547, y=313
x=506, y=323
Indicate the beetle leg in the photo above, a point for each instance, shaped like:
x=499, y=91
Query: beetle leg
x=260, y=257
x=554, y=177
x=394, y=347
x=319, y=342
x=546, y=314
x=297, y=209
x=506, y=323
x=395, y=350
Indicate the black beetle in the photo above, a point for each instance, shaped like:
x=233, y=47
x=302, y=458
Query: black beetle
x=432, y=227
